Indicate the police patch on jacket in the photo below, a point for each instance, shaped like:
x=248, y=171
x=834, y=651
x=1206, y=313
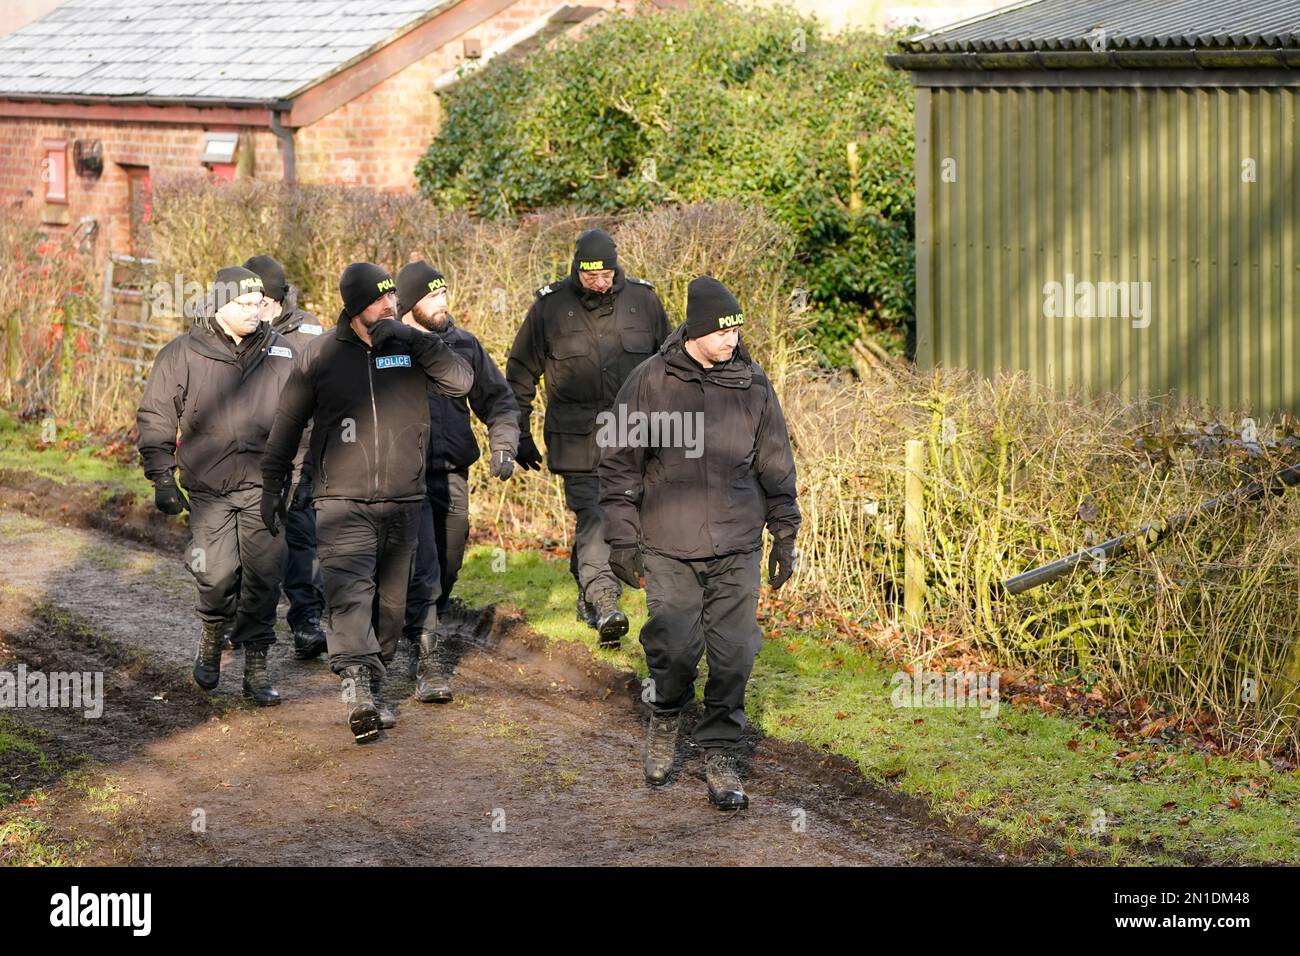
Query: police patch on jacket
x=392, y=361
x=280, y=351
x=310, y=329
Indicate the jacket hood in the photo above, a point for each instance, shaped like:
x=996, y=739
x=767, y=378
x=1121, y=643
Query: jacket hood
x=290, y=316
x=738, y=372
x=209, y=341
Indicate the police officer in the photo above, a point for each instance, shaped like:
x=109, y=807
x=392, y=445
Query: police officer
x=685, y=505
x=584, y=334
x=444, y=517
x=218, y=386
x=364, y=388
x=303, y=583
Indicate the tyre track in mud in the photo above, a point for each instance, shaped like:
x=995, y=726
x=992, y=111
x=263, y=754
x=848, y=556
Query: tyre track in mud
x=537, y=761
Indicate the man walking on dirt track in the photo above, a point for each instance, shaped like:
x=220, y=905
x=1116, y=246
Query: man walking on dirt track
x=444, y=516
x=695, y=461
x=584, y=334
x=365, y=390
x=304, y=585
x=218, y=386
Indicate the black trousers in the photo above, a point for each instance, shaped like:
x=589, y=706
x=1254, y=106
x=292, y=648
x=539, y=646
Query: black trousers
x=444, y=531
x=708, y=606
x=589, y=557
x=237, y=564
x=366, y=550
x=304, y=585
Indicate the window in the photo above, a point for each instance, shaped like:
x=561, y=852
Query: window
x=55, y=171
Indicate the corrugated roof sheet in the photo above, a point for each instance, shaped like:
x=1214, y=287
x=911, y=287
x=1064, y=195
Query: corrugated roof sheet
x=1128, y=24
x=237, y=49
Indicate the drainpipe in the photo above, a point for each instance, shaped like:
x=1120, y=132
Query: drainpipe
x=286, y=137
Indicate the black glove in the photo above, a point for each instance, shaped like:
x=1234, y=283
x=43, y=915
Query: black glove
x=627, y=566
x=275, y=505
x=528, y=457
x=302, y=495
x=780, y=560
x=502, y=464
x=386, y=329
x=167, y=497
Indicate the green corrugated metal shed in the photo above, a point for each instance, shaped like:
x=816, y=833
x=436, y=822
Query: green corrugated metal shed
x=1142, y=149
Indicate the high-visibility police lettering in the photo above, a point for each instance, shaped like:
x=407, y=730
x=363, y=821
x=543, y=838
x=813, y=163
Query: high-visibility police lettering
x=393, y=361
x=727, y=321
x=591, y=265
x=386, y=285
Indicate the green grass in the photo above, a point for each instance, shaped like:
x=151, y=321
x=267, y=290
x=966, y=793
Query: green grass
x=1033, y=781
x=68, y=459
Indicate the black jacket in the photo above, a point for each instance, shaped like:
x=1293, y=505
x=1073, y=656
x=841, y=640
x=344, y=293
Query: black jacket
x=300, y=327
x=370, y=414
x=687, y=505
x=452, y=445
x=221, y=398
x=584, y=345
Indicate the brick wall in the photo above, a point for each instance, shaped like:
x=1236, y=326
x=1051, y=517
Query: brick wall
x=376, y=139
x=166, y=149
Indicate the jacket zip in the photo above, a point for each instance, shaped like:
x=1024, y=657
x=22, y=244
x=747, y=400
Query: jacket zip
x=370, y=375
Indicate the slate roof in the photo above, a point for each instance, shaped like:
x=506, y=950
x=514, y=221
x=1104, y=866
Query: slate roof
x=1129, y=24
x=223, y=51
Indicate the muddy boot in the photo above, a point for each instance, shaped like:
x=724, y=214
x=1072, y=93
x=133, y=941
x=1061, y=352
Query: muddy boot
x=308, y=640
x=611, y=622
x=207, y=662
x=432, y=682
x=257, y=682
x=387, y=716
x=723, y=775
x=363, y=716
x=660, y=747
x=586, y=612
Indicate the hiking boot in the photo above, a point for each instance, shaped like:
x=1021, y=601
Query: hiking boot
x=257, y=682
x=432, y=682
x=207, y=662
x=610, y=621
x=660, y=747
x=722, y=772
x=308, y=639
x=363, y=716
x=587, y=612
x=387, y=716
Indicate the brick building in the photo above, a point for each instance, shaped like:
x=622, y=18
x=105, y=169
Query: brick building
x=98, y=99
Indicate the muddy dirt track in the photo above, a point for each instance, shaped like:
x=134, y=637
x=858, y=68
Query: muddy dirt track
x=537, y=761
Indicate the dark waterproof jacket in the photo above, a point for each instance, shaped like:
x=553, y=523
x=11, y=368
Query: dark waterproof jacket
x=221, y=398
x=370, y=414
x=676, y=502
x=585, y=345
x=300, y=327
x=452, y=445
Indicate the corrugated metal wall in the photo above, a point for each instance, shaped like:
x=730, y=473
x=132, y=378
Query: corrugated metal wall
x=1113, y=185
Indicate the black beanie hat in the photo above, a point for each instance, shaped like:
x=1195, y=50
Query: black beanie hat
x=593, y=251
x=710, y=307
x=274, y=284
x=415, y=281
x=361, y=284
x=230, y=283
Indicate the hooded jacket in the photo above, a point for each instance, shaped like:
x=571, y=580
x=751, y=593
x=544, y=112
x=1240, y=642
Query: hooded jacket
x=222, y=400
x=369, y=410
x=584, y=344
x=297, y=325
x=452, y=445
x=722, y=468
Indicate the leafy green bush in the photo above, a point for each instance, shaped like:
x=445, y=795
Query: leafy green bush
x=717, y=101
